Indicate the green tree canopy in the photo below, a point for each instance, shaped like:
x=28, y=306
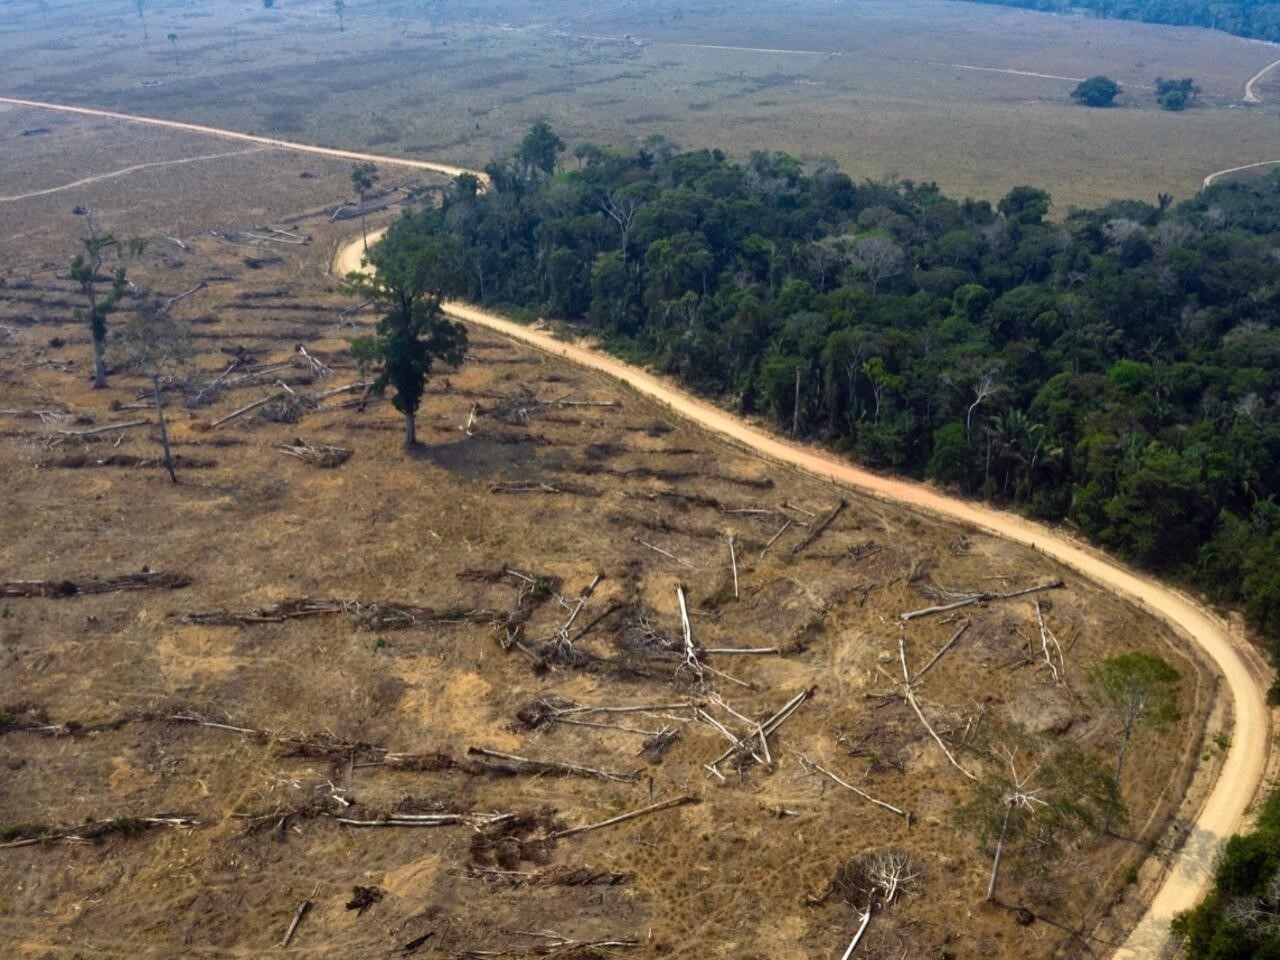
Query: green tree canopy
x=1097, y=91
x=410, y=269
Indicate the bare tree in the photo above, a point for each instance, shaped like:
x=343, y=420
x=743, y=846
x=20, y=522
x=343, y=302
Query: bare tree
x=155, y=345
x=877, y=258
x=982, y=391
x=872, y=881
x=622, y=210
x=1019, y=800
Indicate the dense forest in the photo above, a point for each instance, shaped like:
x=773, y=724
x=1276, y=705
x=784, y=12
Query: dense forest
x=1245, y=18
x=1117, y=369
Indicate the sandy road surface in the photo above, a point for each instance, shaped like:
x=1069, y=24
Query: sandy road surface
x=1208, y=181
x=1243, y=673
x=1250, y=94
x=1246, y=677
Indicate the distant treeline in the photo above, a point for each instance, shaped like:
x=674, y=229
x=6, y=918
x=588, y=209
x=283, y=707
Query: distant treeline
x=1245, y=18
x=1118, y=370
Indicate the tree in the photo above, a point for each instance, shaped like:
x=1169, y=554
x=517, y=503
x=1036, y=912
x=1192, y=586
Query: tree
x=173, y=45
x=1096, y=92
x=873, y=881
x=363, y=177
x=877, y=258
x=1031, y=811
x=146, y=35
x=1140, y=691
x=340, y=8
x=1026, y=205
x=539, y=149
x=410, y=269
x=155, y=345
x=85, y=270
x=1176, y=94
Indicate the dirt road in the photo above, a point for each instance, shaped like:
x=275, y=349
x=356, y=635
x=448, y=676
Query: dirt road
x=1243, y=671
x=1250, y=94
x=1244, y=674
x=1208, y=181
x=443, y=168
x=125, y=171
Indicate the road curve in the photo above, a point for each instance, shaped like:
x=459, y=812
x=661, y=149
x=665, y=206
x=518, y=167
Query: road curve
x=1250, y=94
x=1242, y=672
x=1245, y=676
x=1208, y=181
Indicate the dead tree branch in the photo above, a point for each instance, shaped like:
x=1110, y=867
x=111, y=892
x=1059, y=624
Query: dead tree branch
x=806, y=762
x=643, y=811
x=938, y=656
x=1055, y=584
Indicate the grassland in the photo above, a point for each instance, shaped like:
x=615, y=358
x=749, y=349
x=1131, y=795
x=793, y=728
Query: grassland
x=100, y=692
x=911, y=89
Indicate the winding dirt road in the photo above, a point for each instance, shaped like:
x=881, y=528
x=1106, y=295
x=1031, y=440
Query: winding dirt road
x=1208, y=181
x=1242, y=670
x=1250, y=94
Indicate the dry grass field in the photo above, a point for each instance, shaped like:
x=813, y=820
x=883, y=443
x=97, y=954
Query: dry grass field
x=346, y=635
x=920, y=89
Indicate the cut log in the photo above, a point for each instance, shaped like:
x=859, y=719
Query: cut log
x=245, y=409
x=519, y=764
x=107, y=429
x=642, y=812
x=1055, y=584
x=298, y=914
x=821, y=526
x=938, y=656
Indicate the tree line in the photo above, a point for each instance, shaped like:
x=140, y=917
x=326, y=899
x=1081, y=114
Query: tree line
x=1116, y=370
x=1244, y=18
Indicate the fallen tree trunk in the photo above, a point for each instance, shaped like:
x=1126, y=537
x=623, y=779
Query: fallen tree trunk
x=146, y=580
x=821, y=526
x=519, y=764
x=1056, y=584
x=643, y=811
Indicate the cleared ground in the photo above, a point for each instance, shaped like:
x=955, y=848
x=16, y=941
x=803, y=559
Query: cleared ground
x=923, y=89
x=561, y=493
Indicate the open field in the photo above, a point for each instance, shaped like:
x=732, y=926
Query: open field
x=558, y=491
x=923, y=89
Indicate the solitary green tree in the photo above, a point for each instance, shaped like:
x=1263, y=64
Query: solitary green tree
x=539, y=149
x=86, y=271
x=1139, y=690
x=408, y=272
x=146, y=35
x=173, y=45
x=155, y=345
x=1096, y=92
x=340, y=8
x=363, y=177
